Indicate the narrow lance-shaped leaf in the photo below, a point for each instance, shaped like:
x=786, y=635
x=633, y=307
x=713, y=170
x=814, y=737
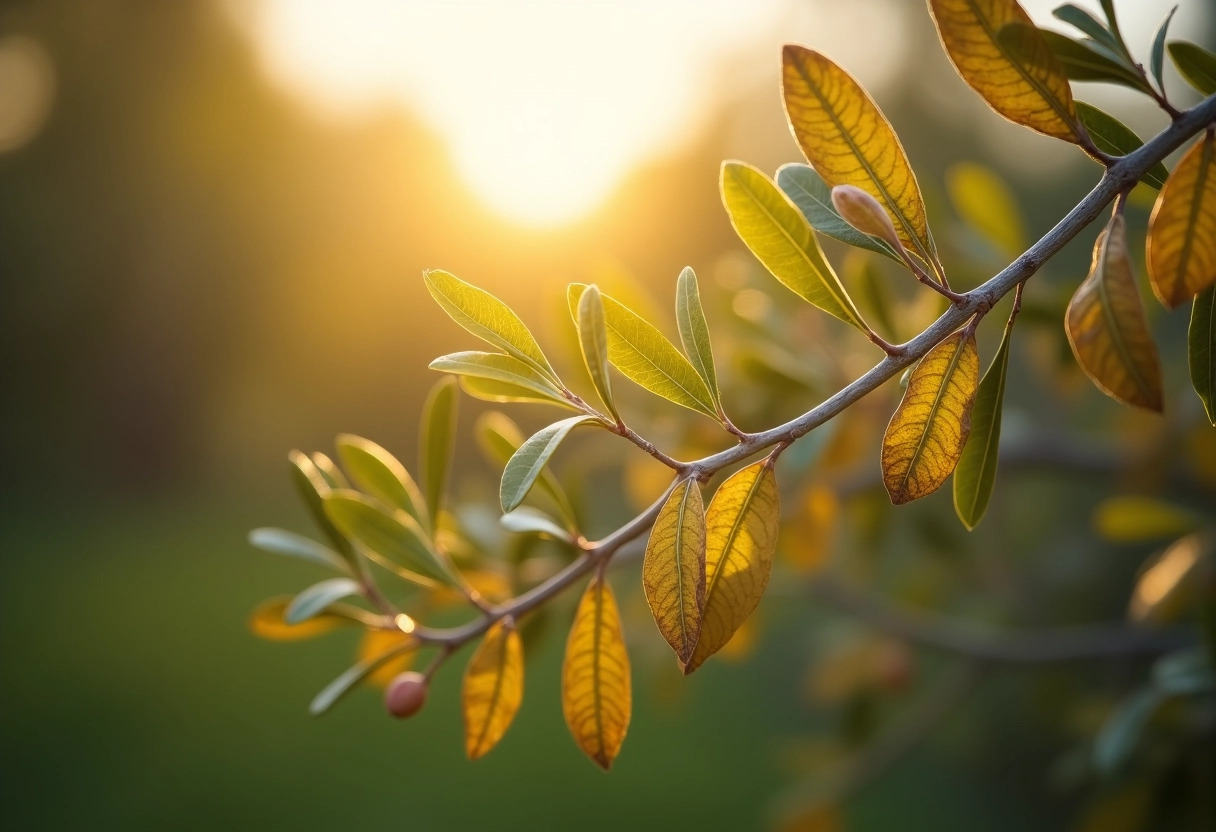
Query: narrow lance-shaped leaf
x=775, y=231
x=493, y=390
x=593, y=341
x=488, y=318
x=436, y=439
x=1181, y=244
x=352, y=676
x=673, y=570
x=1107, y=329
x=741, y=527
x=645, y=357
x=297, y=546
x=1157, y=59
x=807, y=190
x=1085, y=60
x=524, y=520
x=503, y=369
x=393, y=536
x=928, y=430
x=526, y=464
x=976, y=471
x=493, y=689
x=1085, y=21
x=850, y=142
x=1017, y=75
x=985, y=202
x=380, y=474
x=596, y=694
x=499, y=439
x=317, y=597
x=1117, y=139
x=332, y=475
x=1194, y=63
x=694, y=332
x=1201, y=349
x=268, y=622
x=313, y=487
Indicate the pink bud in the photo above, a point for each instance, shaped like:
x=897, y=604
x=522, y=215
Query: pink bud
x=863, y=212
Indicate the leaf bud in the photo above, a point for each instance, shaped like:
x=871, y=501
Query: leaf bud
x=863, y=212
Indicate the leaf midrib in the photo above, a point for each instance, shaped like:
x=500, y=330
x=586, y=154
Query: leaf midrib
x=947, y=377
x=1205, y=160
x=497, y=692
x=1116, y=333
x=703, y=407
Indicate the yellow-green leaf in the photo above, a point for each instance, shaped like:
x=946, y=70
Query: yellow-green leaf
x=495, y=366
x=493, y=390
x=488, y=318
x=526, y=464
x=268, y=622
x=596, y=695
x=1201, y=350
x=493, y=689
x=645, y=357
x=436, y=439
x=593, y=342
x=741, y=527
x=380, y=474
x=1107, y=329
x=850, y=142
x=297, y=546
x=985, y=202
x=1196, y=64
x=313, y=487
x=499, y=438
x=779, y=235
x=389, y=535
x=332, y=475
x=673, y=570
x=1137, y=519
x=1017, y=75
x=694, y=331
x=313, y=600
x=976, y=471
x=1182, y=229
x=928, y=430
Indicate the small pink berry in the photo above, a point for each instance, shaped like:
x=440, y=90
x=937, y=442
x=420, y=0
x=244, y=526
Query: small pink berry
x=406, y=694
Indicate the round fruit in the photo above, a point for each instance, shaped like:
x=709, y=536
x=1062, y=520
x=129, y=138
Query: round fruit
x=406, y=694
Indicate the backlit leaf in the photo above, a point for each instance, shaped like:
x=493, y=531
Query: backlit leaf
x=332, y=475
x=1201, y=349
x=1130, y=519
x=267, y=620
x=596, y=695
x=389, y=534
x=1087, y=23
x=493, y=689
x=492, y=390
x=495, y=366
x=1106, y=326
x=488, y=318
x=379, y=473
x=499, y=438
x=593, y=342
x=694, y=331
x=741, y=527
x=1196, y=64
x=984, y=201
x=673, y=570
x=807, y=190
x=1157, y=59
x=435, y=440
x=297, y=546
x=847, y=139
x=313, y=487
x=524, y=520
x=645, y=357
x=1084, y=60
x=317, y=597
x=525, y=464
x=976, y=471
x=1017, y=75
x=1114, y=137
x=343, y=685
x=780, y=237
x=1181, y=244
x=926, y=435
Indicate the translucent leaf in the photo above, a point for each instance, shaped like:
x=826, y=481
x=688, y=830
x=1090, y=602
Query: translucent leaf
x=1181, y=244
x=1114, y=137
x=976, y=471
x=673, y=570
x=492, y=390
x=775, y=231
x=488, y=318
x=593, y=342
x=807, y=190
x=1131, y=519
x=312, y=487
x=1106, y=326
x=292, y=545
x=317, y=597
x=343, y=685
x=394, y=536
x=1196, y=64
x=848, y=140
x=379, y=473
x=267, y=620
x=525, y=464
x=1118, y=738
x=493, y=689
x=984, y=201
x=1201, y=350
x=1157, y=60
x=926, y=435
x=648, y=359
x=1017, y=75
x=1082, y=60
x=694, y=331
x=436, y=439
x=596, y=695
x=499, y=438
x=525, y=520
x=741, y=526
x=332, y=475
x=496, y=367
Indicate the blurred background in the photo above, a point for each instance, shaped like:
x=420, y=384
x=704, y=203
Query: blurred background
x=213, y=222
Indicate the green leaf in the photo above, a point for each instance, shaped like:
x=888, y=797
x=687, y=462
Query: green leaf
x=593, y=341
x=379, y=473
x=496, y=367
x=488, y=318
x=491, y=390
x=282, y=542
x=976, y=471
x=343, y=685
x=694, y=332
x=1112, y=136
x=647, y=358
x=1157, y=61
x=392, y=535
x=1085, y=60
x=781, y=238
x=332, y=475
x=313, y=488
x=807, y=190
x=319, y=596
x=1196, y=64
x=527, y=520
x=499, y=439
x=1201, y=349
x=525, y=465
x=1087, y=23
x=435, y=439
x=1118, y=738
x=1184, y=672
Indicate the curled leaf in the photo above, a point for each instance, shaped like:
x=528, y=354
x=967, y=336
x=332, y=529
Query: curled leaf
x=976, y=471
x=596, y=695
x=673, y=570
x=1181, y=253
x=493, y=689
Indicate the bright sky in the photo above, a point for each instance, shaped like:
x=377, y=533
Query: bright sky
x=547, y=104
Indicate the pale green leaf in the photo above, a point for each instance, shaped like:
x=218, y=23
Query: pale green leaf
x=593, y=342
x=436, y=439
x=392, y=535
x=379, y=473
x=282, y=542
x=343, y=685
x=492, y=390
x=313, y=487
x=807, y=190
x=694, y=331
x=527, y=520
x=1087, y=23
x=319, y=596
x=494, y=366
x=499, y=438
x=332, y=475
x=526, y=464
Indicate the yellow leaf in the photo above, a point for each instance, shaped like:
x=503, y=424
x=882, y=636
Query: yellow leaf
x=378, y=642
x=493, y=689
x=673, y=571
x=1136, y=519
x=849, y=142
x=596, y=697
x=926, y=435
x=984, y=201
x=267, y=620
x=741, y=534
x=1025, y=84
x=1182, y=229
x=1106, y=326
